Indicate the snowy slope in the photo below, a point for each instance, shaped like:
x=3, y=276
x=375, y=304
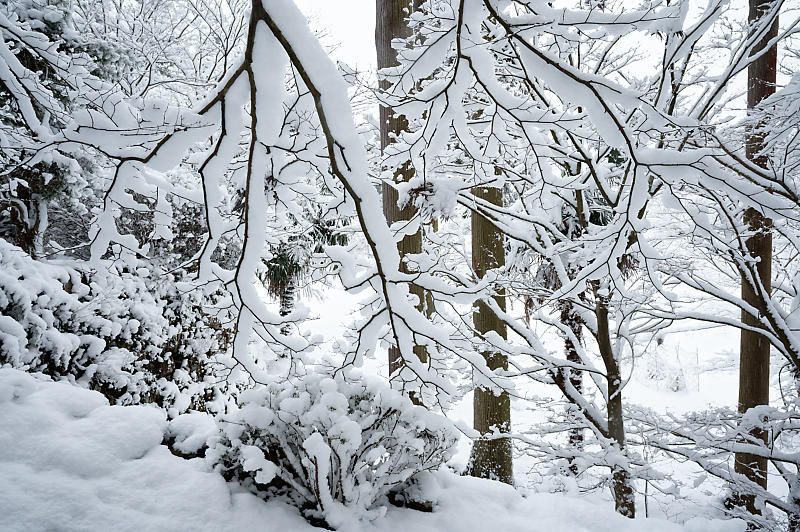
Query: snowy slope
x=70, y=462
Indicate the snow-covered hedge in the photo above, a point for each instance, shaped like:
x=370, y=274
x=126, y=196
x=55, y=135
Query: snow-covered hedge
x=116, y=331
x=334, y=447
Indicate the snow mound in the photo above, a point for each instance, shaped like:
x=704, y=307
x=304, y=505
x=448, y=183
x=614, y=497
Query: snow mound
x=466, y=504
x=71, y=462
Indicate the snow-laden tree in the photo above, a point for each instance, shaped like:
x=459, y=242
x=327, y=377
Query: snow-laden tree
x=591, y=144
x=59, y=56
x=275, y=127
x=44, y=63
x=126, y=329
x=538, y=120
x=173, y=50
x=517, y=95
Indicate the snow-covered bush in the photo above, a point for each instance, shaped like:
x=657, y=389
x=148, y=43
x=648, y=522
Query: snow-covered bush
x=117, y=331
x=185, y=373
x=334, y=447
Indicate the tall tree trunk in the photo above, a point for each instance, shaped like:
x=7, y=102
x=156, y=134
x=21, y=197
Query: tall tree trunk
x=390, y=23
x=621, y=484
x=754, y=347
x=287, y=304
x=572, y=320
x=793, y=498
x=39, y=226
x=491, y=458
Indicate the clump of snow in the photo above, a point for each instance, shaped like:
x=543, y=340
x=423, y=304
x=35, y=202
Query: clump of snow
x=434, y=197
x=189, y=433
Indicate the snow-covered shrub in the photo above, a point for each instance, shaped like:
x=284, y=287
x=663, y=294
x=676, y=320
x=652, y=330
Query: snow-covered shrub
x=184, y=374
x=334, y=447
x=50, y=323
x=113, y=330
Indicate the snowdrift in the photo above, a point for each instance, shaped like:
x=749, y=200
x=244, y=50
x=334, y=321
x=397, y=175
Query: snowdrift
x=71, y=462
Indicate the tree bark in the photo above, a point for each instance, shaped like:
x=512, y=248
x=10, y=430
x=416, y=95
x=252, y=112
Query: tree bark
x=571, y=319
x=287, y=305
x=621, y=486
x=390, y=23
x=754, y=347
x=793, y=518
x=491, y=458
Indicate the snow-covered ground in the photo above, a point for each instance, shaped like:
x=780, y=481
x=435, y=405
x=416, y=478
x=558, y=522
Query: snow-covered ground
x=71, y=462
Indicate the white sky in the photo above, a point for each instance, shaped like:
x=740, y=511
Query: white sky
x=350, y=24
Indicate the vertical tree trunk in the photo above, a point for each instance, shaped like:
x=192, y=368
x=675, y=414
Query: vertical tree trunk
x=754, y=347
x=491, y=458
x=573, y=321
x=39, y=226
x=621, y=486
x=390, y=23
x=287, y=305
x=793, y=498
